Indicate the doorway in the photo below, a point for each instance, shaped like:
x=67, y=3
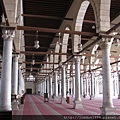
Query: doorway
x=28, y=91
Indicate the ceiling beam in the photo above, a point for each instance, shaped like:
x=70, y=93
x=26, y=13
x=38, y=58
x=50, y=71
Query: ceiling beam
x=40, y=47
x=36, y=68
x=46, y=36
x=46, y=17
x=88, y=21
x=4, y=11
x=113, y=28
x=28, y=72
x=39, y=62
x=42, y=53
x=87, y=39
x=50, y=30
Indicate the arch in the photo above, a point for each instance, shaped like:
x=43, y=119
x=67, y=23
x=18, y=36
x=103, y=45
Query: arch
x=95, y=53
x=102, y=14
x=81, y=14
x=64, y=45
x=56, y=57
x=79, y=22
x=51, y=61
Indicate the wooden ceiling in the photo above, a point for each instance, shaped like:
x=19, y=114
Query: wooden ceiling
x=49, y=15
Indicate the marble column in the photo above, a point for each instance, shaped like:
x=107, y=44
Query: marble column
x=15, y=81
x=96, y=87
x=42, y=88
x=81, y=85
x=60, y=87
x=107, y=106
x=63, y=81
x=115, y=86
x=15, y=75
x=87, y=91
x=50, y=85
x=21, y=84
x=118, y=73
x=119, y=85
x=68, y=84
x=73, y=87
x=84, y=88
x=92, y=86
x=47, y=85
x=55, y=86
x=77, y=101
x=5, y=98
x=38, y=88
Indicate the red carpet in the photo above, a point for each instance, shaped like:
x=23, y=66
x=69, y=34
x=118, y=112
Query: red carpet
x=34, y=105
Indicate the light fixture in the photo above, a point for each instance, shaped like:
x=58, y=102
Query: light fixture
x=93, y=27
x=58, y=42
x=33, y=60
x=36, y=44
x=96, y=53
x=31, y=78
x=36, y=41
x=31, y=69
x=79, y=45
x=115, y=33
x=116, y=42
x=81, y=60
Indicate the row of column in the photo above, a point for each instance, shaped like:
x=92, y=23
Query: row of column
x=107, y=106
x=90, y=85
x=11, y=78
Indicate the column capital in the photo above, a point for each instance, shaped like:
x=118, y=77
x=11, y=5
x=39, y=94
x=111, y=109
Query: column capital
x=64, y=65
x=77, y=59
x=59, y=81
x=55, y=72
x=50, y=75
x=15, y=57
x=105, y=43
x=8, y=34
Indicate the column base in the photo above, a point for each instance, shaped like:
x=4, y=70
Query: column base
x=118, y=96
x=6, y=108
x=73, y=95
x=55, y=98
x=15, y=105
x=92, y=97
x=77, y=104
x=50, y=97
x=5, y=115
x=107, y=111
x=63, y=100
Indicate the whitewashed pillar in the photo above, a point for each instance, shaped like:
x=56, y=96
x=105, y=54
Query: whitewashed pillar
x=5, y=98
x=107, y=106
x=77, y=101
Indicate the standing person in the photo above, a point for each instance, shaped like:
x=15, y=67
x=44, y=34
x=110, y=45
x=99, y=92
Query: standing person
x=67, y=97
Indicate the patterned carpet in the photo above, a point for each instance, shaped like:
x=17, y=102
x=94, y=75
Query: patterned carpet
x=34, y=105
